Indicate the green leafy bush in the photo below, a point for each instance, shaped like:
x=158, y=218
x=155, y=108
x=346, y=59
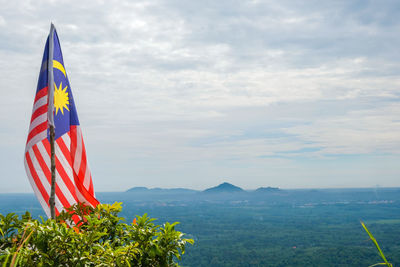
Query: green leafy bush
x=99, y=238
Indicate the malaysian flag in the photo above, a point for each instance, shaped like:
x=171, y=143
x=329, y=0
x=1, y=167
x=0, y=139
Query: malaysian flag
x=73, y=178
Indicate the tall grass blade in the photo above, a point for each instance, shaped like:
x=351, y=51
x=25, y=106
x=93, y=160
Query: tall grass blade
x=16, y=254
x=377, y=246
x=6, y=260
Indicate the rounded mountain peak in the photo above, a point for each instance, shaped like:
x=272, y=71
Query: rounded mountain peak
x=224, y=187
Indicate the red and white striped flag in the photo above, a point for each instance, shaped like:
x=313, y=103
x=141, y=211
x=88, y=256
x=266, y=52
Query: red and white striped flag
x=73, y=178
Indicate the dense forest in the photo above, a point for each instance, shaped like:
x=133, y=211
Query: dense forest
x=279, y=228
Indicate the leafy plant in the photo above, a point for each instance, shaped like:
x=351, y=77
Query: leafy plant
x=83, y=236
x=377, y=247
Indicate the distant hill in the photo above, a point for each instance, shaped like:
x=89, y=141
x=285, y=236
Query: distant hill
x=137, y=189
x=224, y=188
x=267, y=189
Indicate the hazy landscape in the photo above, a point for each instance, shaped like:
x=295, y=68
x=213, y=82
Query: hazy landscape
x=264, y=227
x=215, y=114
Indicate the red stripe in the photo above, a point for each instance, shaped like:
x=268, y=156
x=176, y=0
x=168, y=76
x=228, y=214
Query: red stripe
x=91, y=189
x=47, y=172
x=82, y=169
x=89, y=198
x=76, y=218
x=36, y=178
x=38, y=129
x=41, y=93
x=42, y=163
x=64, y=150
x=46, y=145
x=39, y=111
x=66, y=178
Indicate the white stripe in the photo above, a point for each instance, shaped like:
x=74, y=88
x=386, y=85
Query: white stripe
x=88, y=177
x=44, y=154
x=36, y=139
x=64, y=162
x=40, y=102
x=39, y=196
x=67, y=141
x=59, y=181
x=67, y=168
x=42, y=118
x=81, y=198
x=86, y=180
x=77, y=165
x=78, y=152
x=58, y=204
x=64, y=189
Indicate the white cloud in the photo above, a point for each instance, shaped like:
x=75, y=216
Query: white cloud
x=211, y=81
x=358, y=132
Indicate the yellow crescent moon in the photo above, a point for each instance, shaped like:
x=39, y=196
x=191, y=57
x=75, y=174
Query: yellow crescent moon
x=59, y=66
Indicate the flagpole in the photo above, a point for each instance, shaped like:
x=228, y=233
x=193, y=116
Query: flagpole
x=50, y=116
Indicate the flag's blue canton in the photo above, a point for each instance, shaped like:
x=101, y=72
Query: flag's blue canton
x=63, y=120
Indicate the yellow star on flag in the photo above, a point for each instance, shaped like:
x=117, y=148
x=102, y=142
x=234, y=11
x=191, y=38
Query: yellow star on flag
x=61, y=99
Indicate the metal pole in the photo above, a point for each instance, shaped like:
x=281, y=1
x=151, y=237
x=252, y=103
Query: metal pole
x=50, y=119
x=53, y=174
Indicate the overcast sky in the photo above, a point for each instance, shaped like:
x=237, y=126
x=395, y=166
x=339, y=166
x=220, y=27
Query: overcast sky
x=292, y=94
